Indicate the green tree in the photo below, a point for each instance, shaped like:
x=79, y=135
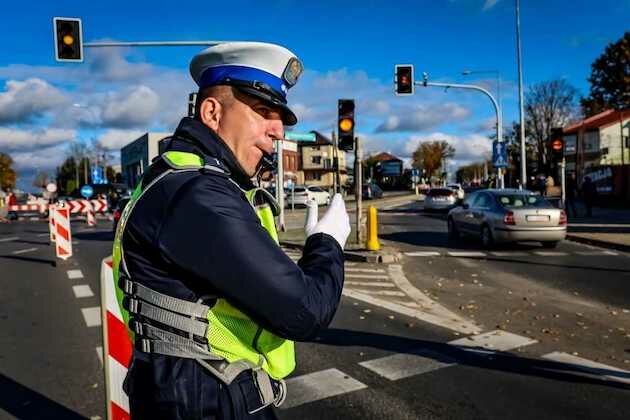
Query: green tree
x=430, y=155
x=7, y=173
x=610, y=79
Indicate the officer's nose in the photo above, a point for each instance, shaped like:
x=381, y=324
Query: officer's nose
x=275, y=129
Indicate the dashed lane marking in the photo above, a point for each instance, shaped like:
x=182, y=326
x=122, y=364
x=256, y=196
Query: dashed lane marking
x=497, y=340
x=551, y=253
x=589, y=367
x=370, y=283
x=365, y=270
x=466, y=254
x=74, y=274
x=12, y=238
x=23, y=251
x=99, y=354
x=92, y=316
x=366, y=276
x=404, y=365
x=596, y=253
x=82, y=291
x=509, y=254
x=423, y=254
x=319, y=385
x=41, y=235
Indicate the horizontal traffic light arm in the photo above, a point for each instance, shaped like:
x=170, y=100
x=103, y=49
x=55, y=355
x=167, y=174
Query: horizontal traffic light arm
x=153, y=44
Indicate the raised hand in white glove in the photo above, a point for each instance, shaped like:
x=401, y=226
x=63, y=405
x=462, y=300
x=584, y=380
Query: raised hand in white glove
x=335, y=222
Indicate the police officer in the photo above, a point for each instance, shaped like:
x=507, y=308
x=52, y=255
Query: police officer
x=212, y=302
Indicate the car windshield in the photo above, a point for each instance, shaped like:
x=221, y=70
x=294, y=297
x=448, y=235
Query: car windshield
x=522, y=200
x=298, y=189
x=315, y=189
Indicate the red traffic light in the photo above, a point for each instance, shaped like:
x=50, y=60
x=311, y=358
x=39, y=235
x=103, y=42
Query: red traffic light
x=404, y=79
x=557, y=145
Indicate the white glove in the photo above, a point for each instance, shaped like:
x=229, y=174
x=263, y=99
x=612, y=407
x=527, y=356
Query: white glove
x=335, y=221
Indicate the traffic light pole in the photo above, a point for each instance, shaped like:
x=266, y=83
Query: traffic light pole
x=153, y=44
x=357, y=187
x=497, y=109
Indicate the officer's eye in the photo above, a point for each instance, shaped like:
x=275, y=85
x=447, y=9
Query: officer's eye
x=266, y=112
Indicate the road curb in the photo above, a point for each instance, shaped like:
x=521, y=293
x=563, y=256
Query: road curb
x=598, y=242
x=376, y=257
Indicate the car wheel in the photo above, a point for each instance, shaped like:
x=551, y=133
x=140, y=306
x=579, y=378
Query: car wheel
x=453, y=232
x=549, y=244
x=486, y=237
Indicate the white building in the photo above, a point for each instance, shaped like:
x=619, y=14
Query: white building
x=138, y=154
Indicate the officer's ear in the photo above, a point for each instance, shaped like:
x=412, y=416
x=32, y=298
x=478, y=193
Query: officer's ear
x=210, y=112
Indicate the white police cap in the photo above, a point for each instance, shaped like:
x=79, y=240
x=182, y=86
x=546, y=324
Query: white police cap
x=264, y=70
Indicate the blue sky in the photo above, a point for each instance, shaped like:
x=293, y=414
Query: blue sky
x=349, y=50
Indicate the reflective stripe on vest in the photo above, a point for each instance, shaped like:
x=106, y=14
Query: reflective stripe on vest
x=231, y=334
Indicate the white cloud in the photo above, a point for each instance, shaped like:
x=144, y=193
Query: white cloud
x=137, y=106
x=24, y=100
x=18, y=139
x=423, y=118
x=42, y=159
x=115, y=139
x=489, y=4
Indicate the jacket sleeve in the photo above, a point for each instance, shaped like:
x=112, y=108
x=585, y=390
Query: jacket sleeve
x=211, y=232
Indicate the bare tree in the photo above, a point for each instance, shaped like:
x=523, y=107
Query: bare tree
x=548, y=105
x=430, y=155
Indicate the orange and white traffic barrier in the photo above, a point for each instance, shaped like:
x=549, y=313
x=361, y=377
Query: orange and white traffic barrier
x=51, y=222
x=117, y=348
x=91, y=220
x=63, y=236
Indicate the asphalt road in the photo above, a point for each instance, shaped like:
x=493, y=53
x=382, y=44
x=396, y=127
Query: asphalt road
x=440, y=334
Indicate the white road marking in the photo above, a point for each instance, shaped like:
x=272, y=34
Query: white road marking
x=497, y=340
x=588, y=366
x=12, y=238
x=74, y=274
x=370, y=283
x=23, y=251
x=404, y=365
x=550, y=253
x=92, y=316
x=82, y=291
x=41, y=235
x=366, y=276
x=466, y=254
x=350, y=264
x=596, y=253
x=427, y=311
x=365, y=270
x=99, y=354
x=468, y=263
x=509, y=254
x=381, y=292
x=423, y=254
x=319, y=385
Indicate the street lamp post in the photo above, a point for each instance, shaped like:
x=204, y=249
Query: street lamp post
x=425, y=82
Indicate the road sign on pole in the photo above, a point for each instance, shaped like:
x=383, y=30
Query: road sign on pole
x=499, y=154
x=87, y=191
x=291, y=135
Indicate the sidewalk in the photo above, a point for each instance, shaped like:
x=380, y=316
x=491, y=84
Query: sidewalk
x=609, y=228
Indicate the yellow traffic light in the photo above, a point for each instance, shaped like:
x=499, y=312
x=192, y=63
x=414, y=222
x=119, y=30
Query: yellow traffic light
x=346, y=124
x=68, y=39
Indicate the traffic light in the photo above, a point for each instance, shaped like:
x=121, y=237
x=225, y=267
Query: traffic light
x=404, y=79
x=68, y=39
x=345, y=124
x=556, y=144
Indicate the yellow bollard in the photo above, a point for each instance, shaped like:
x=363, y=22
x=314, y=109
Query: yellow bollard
x=372, y=230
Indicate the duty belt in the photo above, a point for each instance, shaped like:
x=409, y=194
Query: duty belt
x=188, y=318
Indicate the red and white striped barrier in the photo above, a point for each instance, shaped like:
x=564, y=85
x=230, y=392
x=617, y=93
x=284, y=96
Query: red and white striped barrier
x=63, y=236
x=41, y=208
x=81, y=206
x=91, y=220
x=117, y=347
x=51, y=222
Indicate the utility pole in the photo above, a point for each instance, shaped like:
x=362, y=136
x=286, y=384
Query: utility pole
x=520, y=97
x=358, y=186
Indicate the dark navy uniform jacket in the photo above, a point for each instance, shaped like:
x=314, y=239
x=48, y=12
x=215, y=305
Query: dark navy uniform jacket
x=193, y=235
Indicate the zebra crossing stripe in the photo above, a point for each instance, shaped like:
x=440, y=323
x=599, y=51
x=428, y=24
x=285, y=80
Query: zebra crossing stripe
x=370, y=283
x=509, y=254
x=367, y=276
x=550, y=253
x=466, y=254
x=403, y=365
x=588, y=366
x=365, y=270
x=319, y=385
x=423, y=254
x=381, y=292
x=497, y=340
x=596, y=253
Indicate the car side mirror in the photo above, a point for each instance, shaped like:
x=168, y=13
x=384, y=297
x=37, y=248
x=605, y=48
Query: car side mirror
x=465, y=206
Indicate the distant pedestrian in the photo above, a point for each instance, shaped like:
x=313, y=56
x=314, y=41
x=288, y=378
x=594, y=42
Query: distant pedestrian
x=589, y=192
x=570, y=191
x=11, y=201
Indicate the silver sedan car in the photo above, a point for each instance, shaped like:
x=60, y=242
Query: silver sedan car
x=500, y=216
x=440, y=199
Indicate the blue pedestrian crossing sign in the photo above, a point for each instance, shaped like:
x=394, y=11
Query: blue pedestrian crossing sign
x=499, y=154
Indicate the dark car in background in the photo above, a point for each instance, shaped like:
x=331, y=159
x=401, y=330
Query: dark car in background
x=370, y=191
x=118, y=210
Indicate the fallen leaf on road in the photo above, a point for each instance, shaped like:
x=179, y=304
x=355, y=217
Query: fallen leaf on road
x=361, y=317
x=391, y=317
x=613, y=312
x=556, y=316
x=367, y=311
